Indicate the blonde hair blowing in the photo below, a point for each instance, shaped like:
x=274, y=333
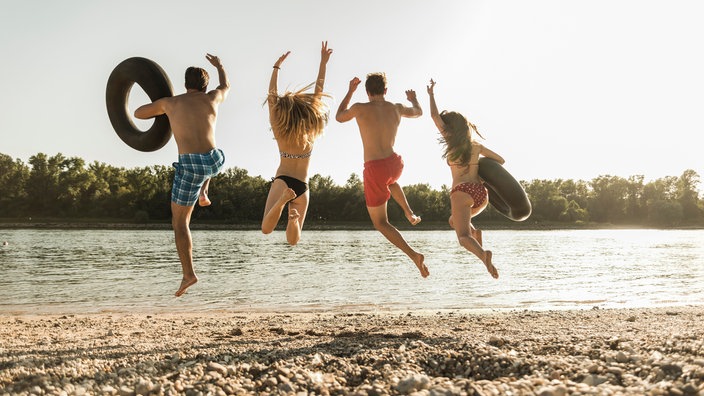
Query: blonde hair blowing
x=299, y=117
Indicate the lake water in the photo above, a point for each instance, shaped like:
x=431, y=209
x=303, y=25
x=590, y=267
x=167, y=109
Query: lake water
x=80, y=271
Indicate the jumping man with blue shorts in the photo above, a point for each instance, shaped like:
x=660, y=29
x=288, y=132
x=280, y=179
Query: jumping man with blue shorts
x=192, y=116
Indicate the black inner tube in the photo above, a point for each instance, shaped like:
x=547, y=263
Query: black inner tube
x=505, y=193
x=156, y=84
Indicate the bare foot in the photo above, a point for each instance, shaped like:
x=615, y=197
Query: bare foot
x=287, y=195
x=203, y=199
x=489, y=266
x=452, y=223
x=413, y=219
x=419, y=260
x=185, y=284
x=293, y=215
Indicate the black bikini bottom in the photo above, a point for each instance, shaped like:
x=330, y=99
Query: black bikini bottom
x=296, y=185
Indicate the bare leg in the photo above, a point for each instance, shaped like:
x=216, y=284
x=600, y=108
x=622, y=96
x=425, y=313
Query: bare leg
x=476, y=234
x=461, y=220
x=381, y=223
x=297, y=210
x=400, y=197
x=181, y=218
x=203, y=199
x=279, y=195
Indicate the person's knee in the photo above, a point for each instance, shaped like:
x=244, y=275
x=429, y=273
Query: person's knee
x=381, y=224
x=267, y=231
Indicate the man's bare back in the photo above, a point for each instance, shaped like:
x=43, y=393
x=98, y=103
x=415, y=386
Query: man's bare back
x=192, y=115
x=378, y=123
x=378, y=120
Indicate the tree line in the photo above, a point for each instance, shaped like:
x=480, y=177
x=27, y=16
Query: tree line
x=57, y=187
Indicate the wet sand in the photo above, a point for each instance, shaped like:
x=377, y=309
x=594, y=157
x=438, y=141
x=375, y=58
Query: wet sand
x=657, y=351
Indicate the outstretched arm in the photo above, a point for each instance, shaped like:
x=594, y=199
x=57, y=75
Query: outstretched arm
x=223, y=88
x=490, y=154
x=273, y=90
x=343, y=113
x=414, y=111
x=434, y=107
x=325, y=53
x=149, y=110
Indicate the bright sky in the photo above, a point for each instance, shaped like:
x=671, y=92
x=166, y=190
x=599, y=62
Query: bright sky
x=561, y=89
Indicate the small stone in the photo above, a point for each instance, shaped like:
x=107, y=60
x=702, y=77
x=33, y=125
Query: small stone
x=689, y=389
x=236, y=332
x=594, y=380
x=621, y=357
x=413, y=383
x=143, y=387
x=270, y=382
x=214, y=366
x=617, y=371
x=126, y=391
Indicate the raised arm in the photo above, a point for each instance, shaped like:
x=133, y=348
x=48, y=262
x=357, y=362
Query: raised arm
x=414, y=111
x=344, y=113
x=434, y=113
x=273, y=89
x=223, y=87
x=325, y=53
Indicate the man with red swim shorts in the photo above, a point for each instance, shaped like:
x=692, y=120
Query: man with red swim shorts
x=378, y=122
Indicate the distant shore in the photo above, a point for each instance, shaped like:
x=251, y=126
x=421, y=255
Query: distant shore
x=314, y=225
x=657, y=351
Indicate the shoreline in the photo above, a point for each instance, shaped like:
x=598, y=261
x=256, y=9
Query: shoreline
x=655, y=351
x=327, y=226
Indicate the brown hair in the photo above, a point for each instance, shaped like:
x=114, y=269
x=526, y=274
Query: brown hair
x=298, y=117
x=197, y=78
x=376, y=83
x=457, y=137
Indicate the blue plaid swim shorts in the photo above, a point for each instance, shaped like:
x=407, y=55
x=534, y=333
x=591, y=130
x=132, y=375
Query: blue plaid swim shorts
x=192, y=170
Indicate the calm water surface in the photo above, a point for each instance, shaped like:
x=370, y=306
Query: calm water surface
x=75, y=271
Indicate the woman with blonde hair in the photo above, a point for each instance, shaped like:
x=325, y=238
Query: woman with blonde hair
x=468, y=196
x=297, y=119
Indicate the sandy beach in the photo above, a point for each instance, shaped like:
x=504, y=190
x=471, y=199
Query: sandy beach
x=657, y=351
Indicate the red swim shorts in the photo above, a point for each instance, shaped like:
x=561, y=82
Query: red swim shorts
x=378, y=175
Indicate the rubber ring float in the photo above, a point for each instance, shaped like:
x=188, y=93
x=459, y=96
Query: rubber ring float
x=156, y=84
x=505, y=194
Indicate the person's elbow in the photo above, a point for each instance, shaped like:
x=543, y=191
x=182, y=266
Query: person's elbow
x=341, y=117
x=414, y=113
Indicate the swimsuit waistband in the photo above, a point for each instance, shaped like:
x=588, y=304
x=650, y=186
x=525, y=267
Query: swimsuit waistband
x=216, y=152
x=382, y=160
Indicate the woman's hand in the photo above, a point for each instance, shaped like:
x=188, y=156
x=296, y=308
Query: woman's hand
x=281, y=59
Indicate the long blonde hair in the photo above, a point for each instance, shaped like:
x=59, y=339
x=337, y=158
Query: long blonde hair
x=298, y=117
x=457, y=137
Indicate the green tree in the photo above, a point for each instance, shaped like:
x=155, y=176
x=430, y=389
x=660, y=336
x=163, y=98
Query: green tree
x=73, y=186
x=688, y=197
x=351, y=199
x=607, y=202
x=43, y=184
x=13, y=178
x=666, y=213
